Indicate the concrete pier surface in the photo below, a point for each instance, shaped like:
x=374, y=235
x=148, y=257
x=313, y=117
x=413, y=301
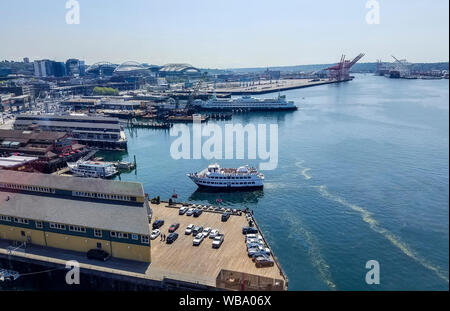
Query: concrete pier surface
x=264, y=87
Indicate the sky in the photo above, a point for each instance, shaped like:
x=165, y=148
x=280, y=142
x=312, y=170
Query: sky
x=225, y=33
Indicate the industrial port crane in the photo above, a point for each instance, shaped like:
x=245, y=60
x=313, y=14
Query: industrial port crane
x=341, y=71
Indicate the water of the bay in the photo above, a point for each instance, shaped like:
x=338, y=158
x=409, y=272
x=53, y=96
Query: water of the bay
x=362, y=175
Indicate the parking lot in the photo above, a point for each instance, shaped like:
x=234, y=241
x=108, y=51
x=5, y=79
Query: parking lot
x=203, y=262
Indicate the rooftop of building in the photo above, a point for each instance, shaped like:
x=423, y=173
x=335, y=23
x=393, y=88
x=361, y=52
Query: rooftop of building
x=66, y=117
x=24, y=135
x=73, y=183
x=102, y=126
x=98, y=215
x=13, y=161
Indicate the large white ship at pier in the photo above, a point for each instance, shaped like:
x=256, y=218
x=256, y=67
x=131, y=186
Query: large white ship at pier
x=214, y=176
x=246, y=103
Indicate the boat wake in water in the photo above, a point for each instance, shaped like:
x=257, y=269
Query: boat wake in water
x=396, y=241
x=304, y=170
x=296, y=228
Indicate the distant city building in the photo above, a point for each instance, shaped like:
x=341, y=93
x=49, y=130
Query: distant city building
x=101, y=69
x=59, y=69
x=178, y=70
x=43, y=68
x=26, y=60
x=75, y=67
x=131, y=69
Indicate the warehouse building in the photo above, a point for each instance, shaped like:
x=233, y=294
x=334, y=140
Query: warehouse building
x=76, y=214
x=88, y=130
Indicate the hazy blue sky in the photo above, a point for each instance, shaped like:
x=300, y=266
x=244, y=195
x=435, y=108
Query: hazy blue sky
x=224, y=34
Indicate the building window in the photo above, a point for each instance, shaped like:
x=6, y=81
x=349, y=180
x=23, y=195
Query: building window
x=134, y=236
x=144, y=239
x=39, y=225
x=99, y=245
x=5, y=218
x=77, y=229
x=97, y=233
x=119, y=235
x=57, y=226
x=21, y=221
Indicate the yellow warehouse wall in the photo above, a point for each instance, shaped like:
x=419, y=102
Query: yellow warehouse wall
x=131, y=251
x=75, y=243
x=14, y=234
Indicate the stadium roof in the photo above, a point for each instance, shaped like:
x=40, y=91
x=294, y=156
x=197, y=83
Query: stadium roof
x=178, y=68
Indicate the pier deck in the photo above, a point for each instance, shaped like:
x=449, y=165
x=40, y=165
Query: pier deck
x=179, y=261
x=282, y=85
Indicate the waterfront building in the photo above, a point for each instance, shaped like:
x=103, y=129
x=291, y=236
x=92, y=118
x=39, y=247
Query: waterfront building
x=42, y=144
x=76, y=214
x=89, y=130
x=80, y=103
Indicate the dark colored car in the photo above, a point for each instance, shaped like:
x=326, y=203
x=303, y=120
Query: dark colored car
x=225, y=216
x=197, y=212
x=171, y=237
x=174, y=227
x=197, y=230
x=247, y=230
x=158, y=224
x=263, y=262
x=98, y=254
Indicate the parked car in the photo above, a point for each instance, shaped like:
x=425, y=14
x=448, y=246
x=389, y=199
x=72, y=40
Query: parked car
x=197, y=212
x=225, y=216
x=247, y=230
x=182, y=210
x=213, y=233
x=252, y=250
x=197, y=230
x=171, y=237
x=158, y=224
x=253, y=245
x=189, y=229
x=259, y=254
x=198, y=239
x=206, y=231
x=218, y=240
x=155, y=234
x=263, y=262
x=189, y=212
x=98, y=254
x=174, y=227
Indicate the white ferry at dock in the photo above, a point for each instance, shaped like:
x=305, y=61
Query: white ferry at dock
x=215, y=177
x=94, y=169
x=246, y=103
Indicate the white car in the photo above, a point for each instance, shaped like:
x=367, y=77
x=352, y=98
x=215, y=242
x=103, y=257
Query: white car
x=213, y=233
x=198, y=239
x=155, y=234
x=206, y=231
x=190, y=212
x=189, y=229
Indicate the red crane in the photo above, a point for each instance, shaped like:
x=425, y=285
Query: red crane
x=341, y=71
